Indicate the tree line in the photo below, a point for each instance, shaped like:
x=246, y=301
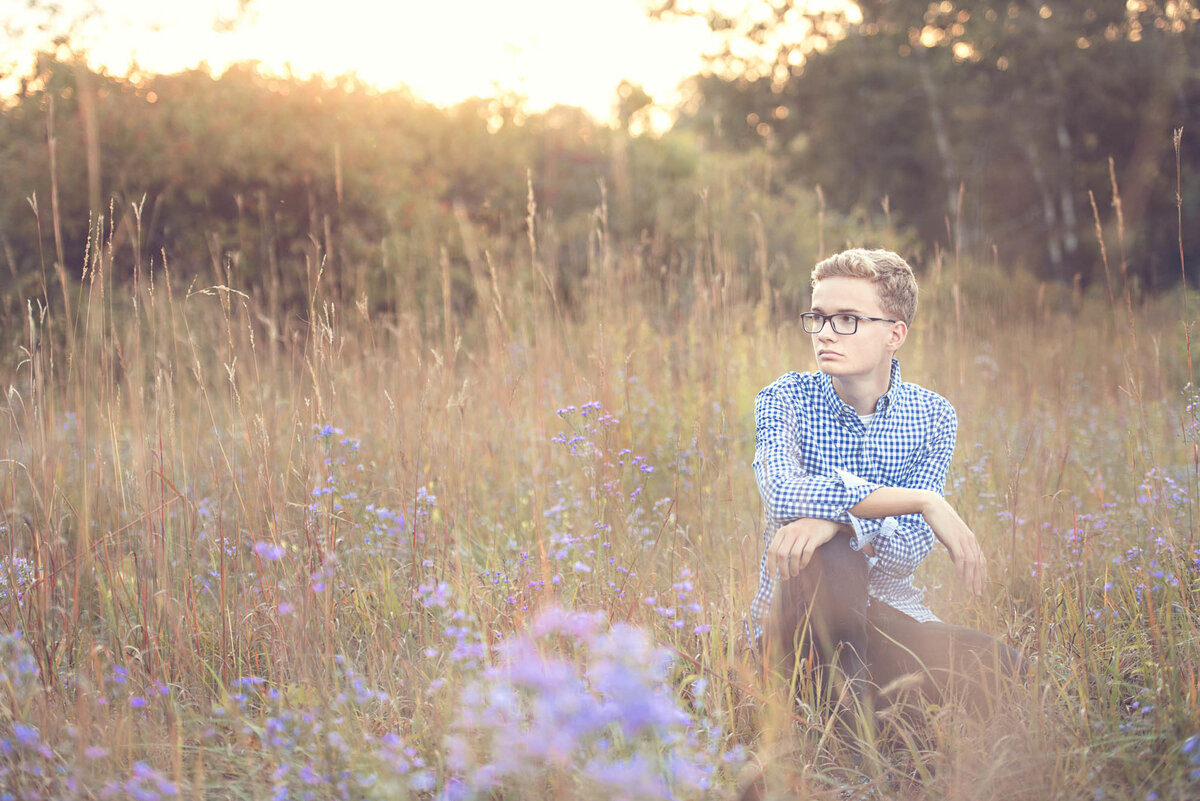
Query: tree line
x=259, y=180
x=995, y=129
x=990, y=124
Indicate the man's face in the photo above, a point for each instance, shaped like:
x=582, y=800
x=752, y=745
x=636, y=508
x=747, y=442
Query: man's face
x=872, y=345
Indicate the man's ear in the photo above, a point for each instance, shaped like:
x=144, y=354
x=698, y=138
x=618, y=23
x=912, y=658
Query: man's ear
x=898, y=334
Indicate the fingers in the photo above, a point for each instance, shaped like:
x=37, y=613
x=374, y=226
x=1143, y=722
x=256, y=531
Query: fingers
x=974, y=576
x=785, y=559
x=806, y=552
x=972, y=567
x=780, y=552
x=792, y=549
x=980, y=568
x=969, y=561
x=796, y=557
x=797, y=561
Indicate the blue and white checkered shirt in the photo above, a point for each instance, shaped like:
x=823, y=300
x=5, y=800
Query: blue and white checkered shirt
x=814, y=457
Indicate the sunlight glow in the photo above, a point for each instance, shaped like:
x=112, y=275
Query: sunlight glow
x=550, y=51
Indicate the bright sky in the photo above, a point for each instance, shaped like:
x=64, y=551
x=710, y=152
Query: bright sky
x=551, y=51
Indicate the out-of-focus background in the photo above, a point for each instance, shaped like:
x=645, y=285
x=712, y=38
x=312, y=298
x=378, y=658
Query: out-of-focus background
x=245, y=131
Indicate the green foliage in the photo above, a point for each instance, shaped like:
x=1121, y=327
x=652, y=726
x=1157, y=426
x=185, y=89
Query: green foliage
x=1021, y=105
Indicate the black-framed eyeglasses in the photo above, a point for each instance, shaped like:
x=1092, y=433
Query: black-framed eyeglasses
x=844, y=324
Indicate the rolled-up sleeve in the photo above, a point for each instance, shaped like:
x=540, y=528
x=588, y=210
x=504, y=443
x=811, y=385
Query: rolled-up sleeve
x=788, y=488
x=901, y=549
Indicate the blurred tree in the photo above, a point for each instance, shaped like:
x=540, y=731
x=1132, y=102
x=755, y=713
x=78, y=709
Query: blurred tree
x=1020, y=104
x=257, y=180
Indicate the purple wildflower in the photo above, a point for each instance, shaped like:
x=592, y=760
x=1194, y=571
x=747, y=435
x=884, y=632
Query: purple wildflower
x=269, y=551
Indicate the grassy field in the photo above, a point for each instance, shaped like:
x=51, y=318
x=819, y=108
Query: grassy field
x=506, y=551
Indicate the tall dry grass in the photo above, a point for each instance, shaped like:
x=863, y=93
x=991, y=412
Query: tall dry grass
x=225, y=523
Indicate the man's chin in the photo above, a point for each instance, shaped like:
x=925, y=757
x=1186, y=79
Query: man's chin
x=831, y=366
x=838, y=369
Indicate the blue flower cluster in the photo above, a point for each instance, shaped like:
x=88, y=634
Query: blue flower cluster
x=17, y=574
x=464, y=645
x=1191, y=750
x=321, y=751
x=683, y=606
x=329, y=496
x=28, y=765
x=582, y=706
x=591, y=431
x=18, y=667
x=144, y=784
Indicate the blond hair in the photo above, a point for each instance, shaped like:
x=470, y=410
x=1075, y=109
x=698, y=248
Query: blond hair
x=893, y=278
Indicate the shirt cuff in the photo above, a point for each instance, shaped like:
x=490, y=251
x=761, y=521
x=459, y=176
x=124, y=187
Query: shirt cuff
x=850, y=480
x=867, y=529
x=856, y=488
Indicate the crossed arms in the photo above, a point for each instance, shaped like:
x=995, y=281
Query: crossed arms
x=895, y=523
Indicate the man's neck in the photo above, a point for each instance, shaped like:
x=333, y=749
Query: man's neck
x=863, y=392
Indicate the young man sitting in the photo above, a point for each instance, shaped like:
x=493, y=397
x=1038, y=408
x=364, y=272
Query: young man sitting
x=851, y=464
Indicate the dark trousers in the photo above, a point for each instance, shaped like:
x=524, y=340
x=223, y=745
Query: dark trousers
x=867, y=655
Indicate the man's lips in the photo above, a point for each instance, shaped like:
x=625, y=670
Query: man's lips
x=821, y=354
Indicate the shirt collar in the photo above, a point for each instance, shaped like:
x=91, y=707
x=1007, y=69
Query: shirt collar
x=892, y=396
x=886, y=402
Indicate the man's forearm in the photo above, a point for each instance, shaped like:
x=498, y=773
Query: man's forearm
x=943, y=521
x=895, y=501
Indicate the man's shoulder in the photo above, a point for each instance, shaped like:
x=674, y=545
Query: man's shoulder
x=792, y=383
x=922, y=401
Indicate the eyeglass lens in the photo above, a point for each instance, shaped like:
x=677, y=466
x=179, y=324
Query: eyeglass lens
x=844, y=324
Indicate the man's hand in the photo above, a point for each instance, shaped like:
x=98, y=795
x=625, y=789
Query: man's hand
x=794, y=544
x=960, y=541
